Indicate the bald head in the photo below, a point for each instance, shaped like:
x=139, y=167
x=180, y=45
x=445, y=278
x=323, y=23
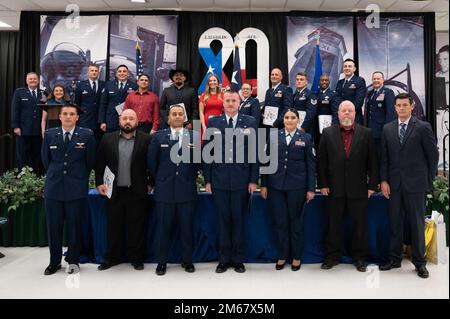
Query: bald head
x=128, y=121
x=346, y=114
x=276, y=76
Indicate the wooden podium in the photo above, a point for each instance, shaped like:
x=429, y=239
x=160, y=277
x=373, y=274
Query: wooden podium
x=53, y=111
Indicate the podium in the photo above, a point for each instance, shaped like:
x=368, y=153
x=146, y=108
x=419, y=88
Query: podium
x=53, y=111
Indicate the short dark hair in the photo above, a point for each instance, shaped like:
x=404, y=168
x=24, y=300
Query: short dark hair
x=302, y=74
x=402, y=96
x=291, y=109
x=350, y=60
x=443, y=49
x=144, y=74
x=122, y=66
x=70, y=105
x=248, y=83
x=382, y=74
x=95, y=65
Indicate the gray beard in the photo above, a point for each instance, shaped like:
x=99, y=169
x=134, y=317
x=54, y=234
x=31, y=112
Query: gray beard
x=346, y=122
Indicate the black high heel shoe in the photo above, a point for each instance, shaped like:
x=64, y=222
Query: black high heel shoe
x=280, y=266
x=297, y=267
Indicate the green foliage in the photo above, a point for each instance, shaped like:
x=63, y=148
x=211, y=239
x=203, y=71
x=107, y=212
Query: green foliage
x=92, y=180
x=20, y=188
x=200, y=181
x=438, y=198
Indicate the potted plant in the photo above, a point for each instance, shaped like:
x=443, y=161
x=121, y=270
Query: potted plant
x=438, y=199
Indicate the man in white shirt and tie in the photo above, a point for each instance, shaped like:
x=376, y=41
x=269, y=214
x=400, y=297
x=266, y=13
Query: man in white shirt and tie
x=87, y=96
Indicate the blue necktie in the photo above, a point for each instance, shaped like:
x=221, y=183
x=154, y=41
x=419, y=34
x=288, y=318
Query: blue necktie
x=94, y=87
x=34, y=94
x=121, y=86
x=402, y=132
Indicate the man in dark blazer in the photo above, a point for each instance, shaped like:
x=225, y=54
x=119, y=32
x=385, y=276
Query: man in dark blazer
x=380, y=108
x=279, y=95
x=170, y=159
x=179, y=92
x=87, y=96
x=409, y=161
x=115, y=93
x=348, y=176
x=230, y=180
x=68, y=155
x=352, y=88
x=124, y=152
x=26, y=118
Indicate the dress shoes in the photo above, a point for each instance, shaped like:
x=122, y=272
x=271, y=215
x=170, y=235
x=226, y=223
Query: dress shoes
x=222, y=268
x=188, y=267
x=73, y=269
x=161, y=269
x=51, y=269
x=360, y=266
x=280, y=266
x=422, y=272
x=239, y=267
x=138, y=266
x=328, y=264
x=106, y=265
x=296, y=267
x=389, y=265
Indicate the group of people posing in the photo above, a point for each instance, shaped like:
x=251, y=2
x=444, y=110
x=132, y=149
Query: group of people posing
x=144, y=143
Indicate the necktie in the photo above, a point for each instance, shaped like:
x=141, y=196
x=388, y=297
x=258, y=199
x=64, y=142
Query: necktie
x=94, y=87
x=34, y=93
x=345, y=83
x=402, y=132
x=66, y=138
x=288, y=139
x=121, y=86
x=177, y=137
x=230, y=123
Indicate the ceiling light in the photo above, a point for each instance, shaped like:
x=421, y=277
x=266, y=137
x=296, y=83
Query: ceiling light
x=138, y=1
x=4, y=25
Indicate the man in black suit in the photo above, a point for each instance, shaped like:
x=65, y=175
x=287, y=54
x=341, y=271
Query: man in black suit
x=124, y=152
x=178, y=93
x=409, y=159
x=348, y=176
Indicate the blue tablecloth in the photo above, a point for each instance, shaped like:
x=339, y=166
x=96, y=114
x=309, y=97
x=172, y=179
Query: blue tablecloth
x=260, y=246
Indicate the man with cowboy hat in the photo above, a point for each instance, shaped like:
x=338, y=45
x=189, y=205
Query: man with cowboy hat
x=179, y=93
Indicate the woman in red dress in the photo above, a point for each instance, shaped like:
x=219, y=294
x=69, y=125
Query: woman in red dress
x=210, y=102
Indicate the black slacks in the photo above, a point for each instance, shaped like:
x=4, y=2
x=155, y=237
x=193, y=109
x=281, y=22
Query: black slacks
x=357, y=209
x=126, y=212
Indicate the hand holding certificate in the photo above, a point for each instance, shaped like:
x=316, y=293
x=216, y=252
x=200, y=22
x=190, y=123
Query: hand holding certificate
x=270, y=115
x=108, y=181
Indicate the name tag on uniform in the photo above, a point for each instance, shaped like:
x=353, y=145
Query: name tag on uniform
x=380, y=97
x=25, y=99
x=80, y=145
x=130, y=89
x=246, y=105
x=164, y=145
x=111, y=92
x=302, y=98
x=279, y=94
x=325, y=102
x=53, y=147
x=353, y=86
x=299, y=143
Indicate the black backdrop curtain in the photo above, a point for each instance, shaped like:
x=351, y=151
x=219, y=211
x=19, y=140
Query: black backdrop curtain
x=19, y=52
x=9, y=80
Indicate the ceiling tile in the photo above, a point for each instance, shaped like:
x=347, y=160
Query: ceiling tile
x=408, y=6
x=341, y=5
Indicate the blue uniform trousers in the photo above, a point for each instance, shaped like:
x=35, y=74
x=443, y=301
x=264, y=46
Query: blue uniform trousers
x=286, y=208
x=55, y=213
